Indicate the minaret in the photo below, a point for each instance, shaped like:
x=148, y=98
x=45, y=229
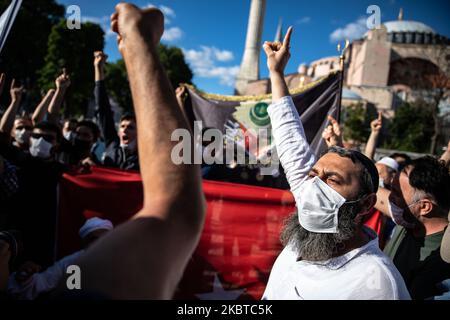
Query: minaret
x=250, y=61
x=279, y=34
x=400, y=15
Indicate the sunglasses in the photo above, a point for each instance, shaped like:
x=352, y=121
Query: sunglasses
x=46, y=137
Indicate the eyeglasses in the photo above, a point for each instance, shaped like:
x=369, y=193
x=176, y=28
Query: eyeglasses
x=46, y=137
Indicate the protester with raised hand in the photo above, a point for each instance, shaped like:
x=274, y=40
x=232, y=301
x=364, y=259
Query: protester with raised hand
x=375, y=126
x=156, y=245
x=121, y=147
x=419, y=204
x=7, y=121
x=332, y=134
x=62, y=83
x=326, y=245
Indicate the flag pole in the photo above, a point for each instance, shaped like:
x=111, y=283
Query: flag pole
x=341, y=77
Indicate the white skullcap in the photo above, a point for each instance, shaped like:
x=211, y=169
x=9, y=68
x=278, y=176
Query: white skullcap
x=391, y=163
x=95, y=224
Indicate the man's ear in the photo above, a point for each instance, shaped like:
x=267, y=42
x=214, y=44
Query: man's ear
x=425, y=207
x=367, y=203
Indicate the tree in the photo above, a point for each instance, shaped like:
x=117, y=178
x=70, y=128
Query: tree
x=172, y=59
x=412, y=127
x=357, y=122
x=26, y=46
x=73, y=50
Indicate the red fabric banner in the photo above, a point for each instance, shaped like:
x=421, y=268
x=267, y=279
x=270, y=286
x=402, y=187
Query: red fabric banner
x=238, y=246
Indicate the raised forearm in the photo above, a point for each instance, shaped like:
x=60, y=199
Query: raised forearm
x=99, y=73
x=279, y=86
x=158, y=115
x=54, y=108
x=371, y=145
x=42, y=108
x=382, y=204
x=7, y=121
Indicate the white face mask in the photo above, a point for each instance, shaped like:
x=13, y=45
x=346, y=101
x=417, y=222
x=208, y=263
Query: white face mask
x=397, y=215
x=319, y=206
x=68, y=135
x=22, y=136
x=381, y=183
x=40, y=148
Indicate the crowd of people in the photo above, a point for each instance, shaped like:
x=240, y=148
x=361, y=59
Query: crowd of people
x=328, y=251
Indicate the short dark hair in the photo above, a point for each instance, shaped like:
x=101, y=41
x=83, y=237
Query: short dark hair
x=401, y=155
x=128, y=116
x=432, y=177
x=92, y=126
x=50, y=126
x=369, y=178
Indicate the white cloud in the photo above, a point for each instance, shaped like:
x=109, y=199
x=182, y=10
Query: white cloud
x=304, y=20
x=168, y=12
x=351, y=31
x=204, y=63
x=172, y=34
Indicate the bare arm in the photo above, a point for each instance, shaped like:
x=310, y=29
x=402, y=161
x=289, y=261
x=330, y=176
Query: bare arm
x=41, y=109
x=446, y=155
x=371, y=145
x=7, y=121
x=382, y=204
x=146, y=257
x=287, y=129
x=54, y=109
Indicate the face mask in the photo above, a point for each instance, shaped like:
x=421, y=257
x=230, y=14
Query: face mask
x=319, y=207
x=397, y=215
x=381, y=183
x=129, y=147
x=68, y=135
x=22, y=136
x=40, y=148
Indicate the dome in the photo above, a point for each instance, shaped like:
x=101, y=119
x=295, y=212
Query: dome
x=350, y=95
x=408, y=26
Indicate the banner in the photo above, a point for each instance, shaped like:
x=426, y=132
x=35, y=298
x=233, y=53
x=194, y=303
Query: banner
x=7, y=20
x=237, y=115
x=238, y=246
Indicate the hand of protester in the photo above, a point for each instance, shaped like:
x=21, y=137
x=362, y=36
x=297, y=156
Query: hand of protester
x=26, y=271
x=87, y=162
x=2, y=82
x=278, y=54
x=130, y=22
x=181, y=94
x=332, y=133
x=377, y=124
x=100, y=59
x=63, y=81
x=16, y=92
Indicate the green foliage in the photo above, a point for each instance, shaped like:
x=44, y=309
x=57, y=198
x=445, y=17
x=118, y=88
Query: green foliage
x=117, y=84
x=172, y=59
x=177, y=69
x=73, y=50
x=357, y=122
x=26, y=46
x=412, y=128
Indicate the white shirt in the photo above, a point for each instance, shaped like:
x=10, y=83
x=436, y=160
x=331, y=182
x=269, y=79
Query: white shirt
x=363, y=273
x=42, y=282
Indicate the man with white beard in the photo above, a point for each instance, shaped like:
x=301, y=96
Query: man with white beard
x=328, y=252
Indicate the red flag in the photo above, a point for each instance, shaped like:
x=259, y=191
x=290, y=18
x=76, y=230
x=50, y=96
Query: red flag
x=238, y=246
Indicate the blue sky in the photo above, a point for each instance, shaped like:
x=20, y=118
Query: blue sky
x=212, y=32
